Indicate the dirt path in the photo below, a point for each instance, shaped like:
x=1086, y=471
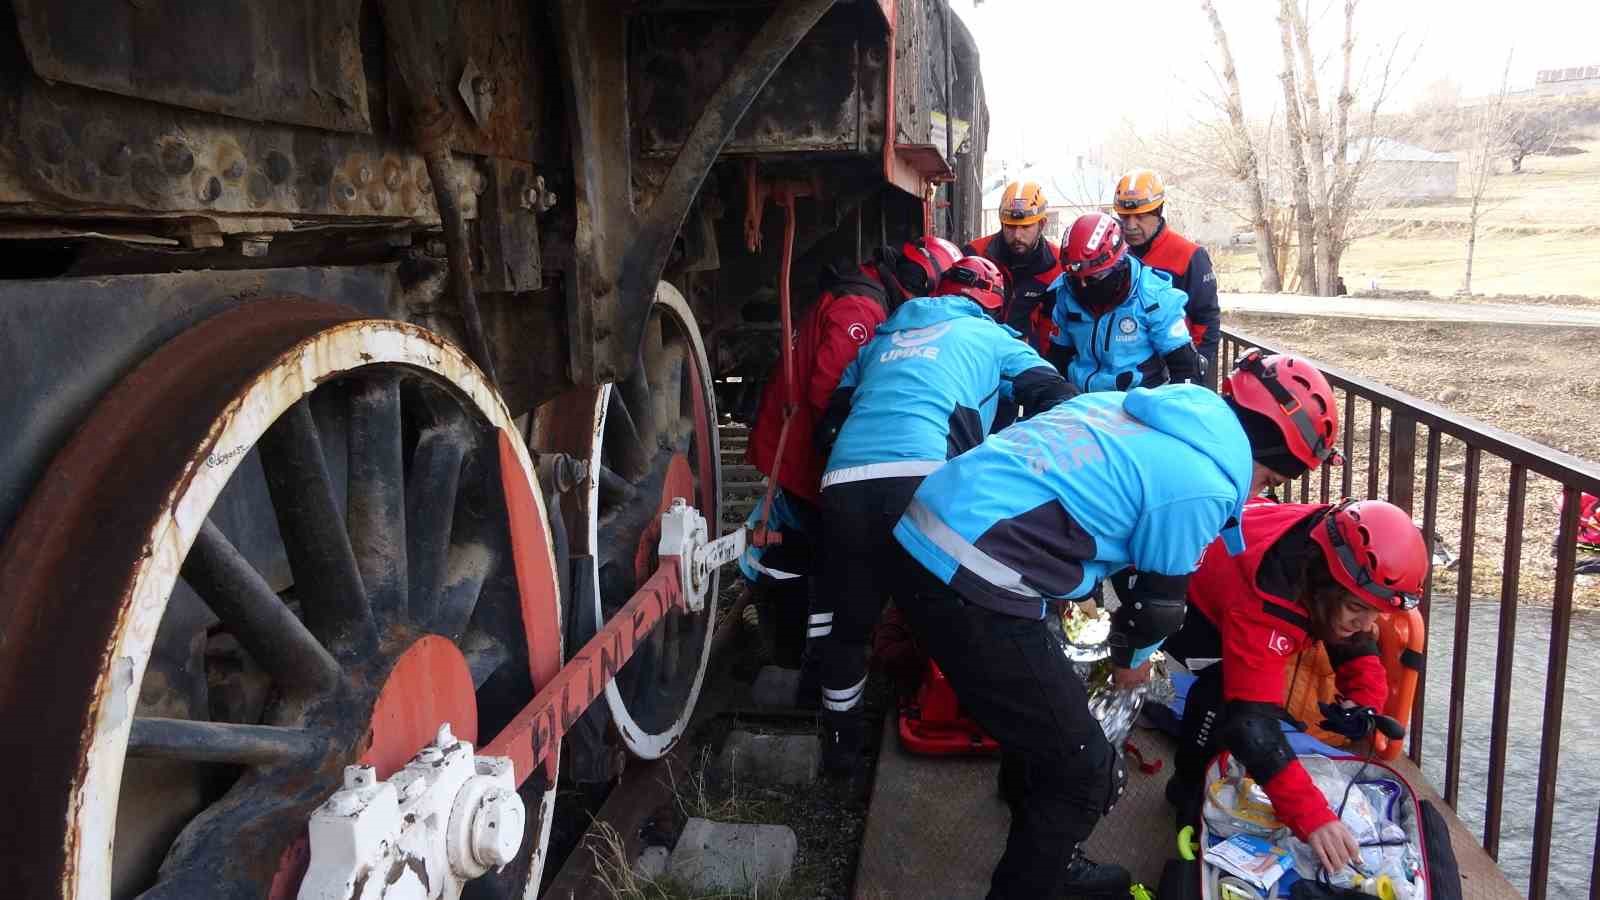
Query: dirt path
x=1485, y=312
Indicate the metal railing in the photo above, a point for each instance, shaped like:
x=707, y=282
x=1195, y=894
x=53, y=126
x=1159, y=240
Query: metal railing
x=1389, y=432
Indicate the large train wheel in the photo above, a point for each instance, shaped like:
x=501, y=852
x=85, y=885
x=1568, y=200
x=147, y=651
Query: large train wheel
x=179, y=704
x=648, y=439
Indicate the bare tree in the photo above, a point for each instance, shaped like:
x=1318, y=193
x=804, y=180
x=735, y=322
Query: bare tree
x=1300, y=174
x=1489, y=128
x=1534, y=130
x=1315, y=145
x=1243, y=155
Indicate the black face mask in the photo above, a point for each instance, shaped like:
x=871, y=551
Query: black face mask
x=1106, y=291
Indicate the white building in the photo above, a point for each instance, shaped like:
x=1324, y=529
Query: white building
x=1402, y=172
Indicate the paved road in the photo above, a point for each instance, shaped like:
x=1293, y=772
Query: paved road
x=1416, y=310
x=1578, y=775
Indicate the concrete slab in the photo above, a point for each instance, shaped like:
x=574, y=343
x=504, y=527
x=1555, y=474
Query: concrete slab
x=718, y=856
x=787, y=759
x=775, y=686
x=940, y=821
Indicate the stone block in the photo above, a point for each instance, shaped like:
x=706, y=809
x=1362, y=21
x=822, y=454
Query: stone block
x=778, y=759
x=717, y=856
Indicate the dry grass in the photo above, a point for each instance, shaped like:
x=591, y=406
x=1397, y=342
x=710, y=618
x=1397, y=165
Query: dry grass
x=1537, y=383
x=705, y=793
x=1540, y=236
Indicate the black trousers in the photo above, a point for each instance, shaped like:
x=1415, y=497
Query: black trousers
x=1010, y=675
x=862, y=566
x=1197, y=640
x=783, y=592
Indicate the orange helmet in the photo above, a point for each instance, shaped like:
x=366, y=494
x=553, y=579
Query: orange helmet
x=1139, y=191
x=1022, y=204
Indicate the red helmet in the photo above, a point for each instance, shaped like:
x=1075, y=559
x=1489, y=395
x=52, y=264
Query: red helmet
x=922, y=261
x=1094, y=246
x=1297, y=398
x=1375, y=551
x=978, y=279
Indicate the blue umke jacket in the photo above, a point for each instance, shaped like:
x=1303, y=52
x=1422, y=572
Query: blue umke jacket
x=1123, y=348
x=1047, y=508
x=925, y=388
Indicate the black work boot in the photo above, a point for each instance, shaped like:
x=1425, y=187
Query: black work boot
x=1185, y=798
x=1013, y=781
x=843, y=734
x=1089, y=880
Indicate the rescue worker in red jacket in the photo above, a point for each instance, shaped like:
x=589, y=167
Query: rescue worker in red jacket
x=827, y=337
x=1140, y=200
x=1309, y=572
x=1033, y=261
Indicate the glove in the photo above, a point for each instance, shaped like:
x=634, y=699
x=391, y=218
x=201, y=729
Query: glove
x=1353, y=722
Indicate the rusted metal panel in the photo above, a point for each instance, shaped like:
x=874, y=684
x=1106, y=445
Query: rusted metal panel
x=292, y=61
x=825, y=97
x=80, y=147
x=498, y=39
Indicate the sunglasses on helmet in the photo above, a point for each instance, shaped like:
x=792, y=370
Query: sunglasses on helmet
x=1358, y=572
x=1020, y=212
x=1253, y=362
x=968, y=278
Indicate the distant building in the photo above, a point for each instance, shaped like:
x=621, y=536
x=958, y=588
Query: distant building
x=1574, y=80
x=1402, y=172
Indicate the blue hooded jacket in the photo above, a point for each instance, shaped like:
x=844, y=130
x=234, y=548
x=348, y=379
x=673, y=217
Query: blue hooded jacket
x=1047, y=508
x=1123, y=348
x=925, y=387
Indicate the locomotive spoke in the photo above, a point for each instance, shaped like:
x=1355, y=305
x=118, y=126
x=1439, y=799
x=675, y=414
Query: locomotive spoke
x=622, y=441
x=430, y=512
x=257, y=617
x=471, y=563
x=485, y=656
x=220, y=742
x=614, y=488
x=636, y=392
x=327, y=581
x=376, y=514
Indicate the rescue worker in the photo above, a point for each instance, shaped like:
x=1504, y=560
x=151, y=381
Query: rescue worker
x=826, y=339
x=1119, y=323
x=1310, y=572
x=922, y=391
x=1042, y=512
x=1027, y=256
x=1140, y=203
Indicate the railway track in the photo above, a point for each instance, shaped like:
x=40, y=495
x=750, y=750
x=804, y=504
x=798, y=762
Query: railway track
x=647, y=804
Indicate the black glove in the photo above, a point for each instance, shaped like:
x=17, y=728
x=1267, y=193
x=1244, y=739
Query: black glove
x=1354, y=722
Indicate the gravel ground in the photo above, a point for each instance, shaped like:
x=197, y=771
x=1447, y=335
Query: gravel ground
x=1536, y=382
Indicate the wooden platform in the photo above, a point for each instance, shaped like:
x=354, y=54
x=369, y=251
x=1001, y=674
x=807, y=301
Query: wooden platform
x=937, y=826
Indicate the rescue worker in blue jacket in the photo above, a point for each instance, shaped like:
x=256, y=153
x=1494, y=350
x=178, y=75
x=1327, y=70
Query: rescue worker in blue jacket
x=1042, y=512
x=1119, y=323
x=923, y=390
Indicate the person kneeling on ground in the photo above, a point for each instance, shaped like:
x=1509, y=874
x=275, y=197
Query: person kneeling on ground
x=1042, y=512
x=1119, y=323
x=923, y=390
x=1312, y=572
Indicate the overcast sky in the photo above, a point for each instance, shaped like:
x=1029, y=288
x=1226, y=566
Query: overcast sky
x=1063, y=73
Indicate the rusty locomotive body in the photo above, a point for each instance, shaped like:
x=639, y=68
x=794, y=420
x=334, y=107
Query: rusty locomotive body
x=353, y=352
